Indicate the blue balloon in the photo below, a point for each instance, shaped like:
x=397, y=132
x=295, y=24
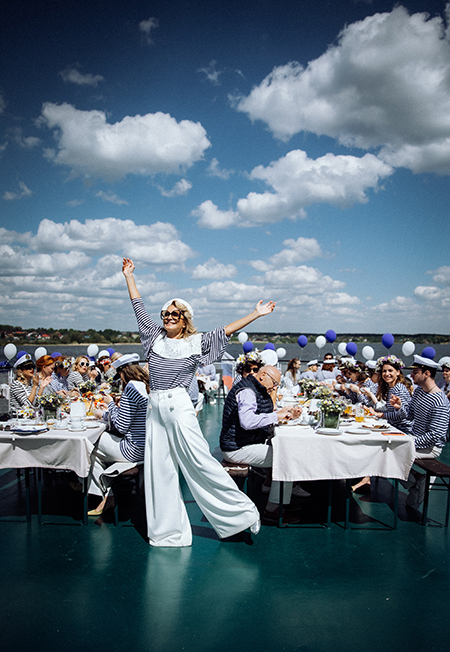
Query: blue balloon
x=428, y=352
x=110, y=351
x=270, y=346
x=387, y=340
x=20, y=354
x=247, y=346
x=330, y=336
x=302, y=341
x=351, y=348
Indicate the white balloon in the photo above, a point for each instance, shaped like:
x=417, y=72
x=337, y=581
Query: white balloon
x=444, y=360
x=408, y=348
x=280, y=353
x=269, y=356
x=242, y=337
x=92, y=350
x=10, y=351
x=40, y=351
x=320, y=341
x=342, y=348
x=368, y=352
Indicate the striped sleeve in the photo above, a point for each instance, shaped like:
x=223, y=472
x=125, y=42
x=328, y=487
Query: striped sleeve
x=214, y=344
x=148, y=329
x=129, y=419
x=431, y=418
x=18, y=397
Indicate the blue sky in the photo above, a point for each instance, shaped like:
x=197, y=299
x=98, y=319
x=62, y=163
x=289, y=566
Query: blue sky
x=294, y=151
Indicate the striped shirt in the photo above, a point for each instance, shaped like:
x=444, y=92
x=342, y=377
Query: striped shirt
x=129, y=420
x=58, y=383
x=75, y=378
x=173, y=362
x=430, y=413
x=398, y=418
x=18, y=397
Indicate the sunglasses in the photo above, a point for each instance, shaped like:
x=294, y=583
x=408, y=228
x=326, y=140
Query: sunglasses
x=28, y=366
x=82, y=364
x=175, y=314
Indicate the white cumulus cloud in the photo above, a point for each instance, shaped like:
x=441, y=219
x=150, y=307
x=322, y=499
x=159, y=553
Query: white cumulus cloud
x=182, y=187
x=141, y=144
x=383, y=84
x=23, y=192
x=214, y=270
x=74, y=76
x=111, y=197
x=296, y=251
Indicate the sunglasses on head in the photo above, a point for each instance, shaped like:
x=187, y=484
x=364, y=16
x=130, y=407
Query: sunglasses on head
x=175, y=314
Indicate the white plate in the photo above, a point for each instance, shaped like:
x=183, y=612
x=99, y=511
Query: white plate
x=76, y=429
x=91, y=418
x=29, y=430
x=329, y=431
x=359, y=430
x=92, y=425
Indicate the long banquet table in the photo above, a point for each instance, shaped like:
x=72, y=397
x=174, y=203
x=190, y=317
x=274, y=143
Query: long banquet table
x=53, y=449
x=300, y=453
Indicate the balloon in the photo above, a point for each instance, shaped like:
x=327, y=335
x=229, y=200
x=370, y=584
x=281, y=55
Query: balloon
x=10, y=350
x=247, y=346
x=351, y=348
x=270, y=346
x=92, y=350
x=280, y=352
x=408, y=348
x=268, y=356
x=331, y=336
x=110, y=351
x=242, y=337
x=444, y=360
x=368, y=352
x=387, y=340
x=320, y=341
x=428, y=352
x=56, y=354
x=302, y=341
x=40, y=351
x=342, y=348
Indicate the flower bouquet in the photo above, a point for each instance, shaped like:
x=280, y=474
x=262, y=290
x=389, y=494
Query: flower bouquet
x=307, y=386
x=322, y=391
x=331, y=409
x=50, y=404
x=25, y=413
x=88, y=387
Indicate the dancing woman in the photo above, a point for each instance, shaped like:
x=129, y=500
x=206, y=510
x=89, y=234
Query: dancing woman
x=174, y=439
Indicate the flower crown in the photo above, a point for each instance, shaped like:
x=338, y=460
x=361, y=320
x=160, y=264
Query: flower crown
x=389, y=359
x=349, y=364
x=252, y=356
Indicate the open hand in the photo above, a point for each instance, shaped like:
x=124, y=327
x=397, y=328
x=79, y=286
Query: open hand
x=396, y=402
x=265, y=309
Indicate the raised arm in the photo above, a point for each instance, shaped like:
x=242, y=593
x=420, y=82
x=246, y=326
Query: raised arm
x=259, y=311
x=127, y=270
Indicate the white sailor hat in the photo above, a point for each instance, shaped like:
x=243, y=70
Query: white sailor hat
x=185, y=304
x=125, y=361
x=329, y=361
x=371, y=364
x=103, y=354
x=420, y=361
x=311, y=363
x=22, y=360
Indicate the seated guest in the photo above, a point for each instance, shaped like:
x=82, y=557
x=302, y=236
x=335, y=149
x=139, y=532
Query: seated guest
x=429, y=413
x=355, y=377
x=128, y=419
x=59, y=381
x=247, y=363
x=292, y=376
x=444, y=384
x=45, y=366
x=207, y=381
x=79, y=372
x=311, y=369
x=247, y=427
x=104, y=365
x=328, y=371
x=24, y=388
x=391, y=384
x=369, y=387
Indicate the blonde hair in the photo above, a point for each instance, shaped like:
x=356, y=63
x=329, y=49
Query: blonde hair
x=189, y=328
x=77, y=360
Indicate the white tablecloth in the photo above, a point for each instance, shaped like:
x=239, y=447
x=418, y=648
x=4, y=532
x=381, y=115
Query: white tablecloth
x=54, y=449
x=300, y=453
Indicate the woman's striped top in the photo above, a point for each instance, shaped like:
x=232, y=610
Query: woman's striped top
x=430, y=413
x=173, y=362
x=129, y=420
x=397, y=418
x=18, y=395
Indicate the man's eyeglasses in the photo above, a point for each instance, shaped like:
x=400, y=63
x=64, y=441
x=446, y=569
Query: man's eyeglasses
x=274, y=382
x=175, y=314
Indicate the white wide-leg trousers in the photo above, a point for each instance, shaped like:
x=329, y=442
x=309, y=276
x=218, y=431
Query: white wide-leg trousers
x=175, y=441
x=106, y=453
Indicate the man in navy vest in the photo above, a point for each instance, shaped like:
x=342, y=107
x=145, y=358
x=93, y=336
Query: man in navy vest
x=247, y=427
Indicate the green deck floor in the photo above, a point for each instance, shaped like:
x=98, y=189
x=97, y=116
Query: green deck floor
x=69, y=587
